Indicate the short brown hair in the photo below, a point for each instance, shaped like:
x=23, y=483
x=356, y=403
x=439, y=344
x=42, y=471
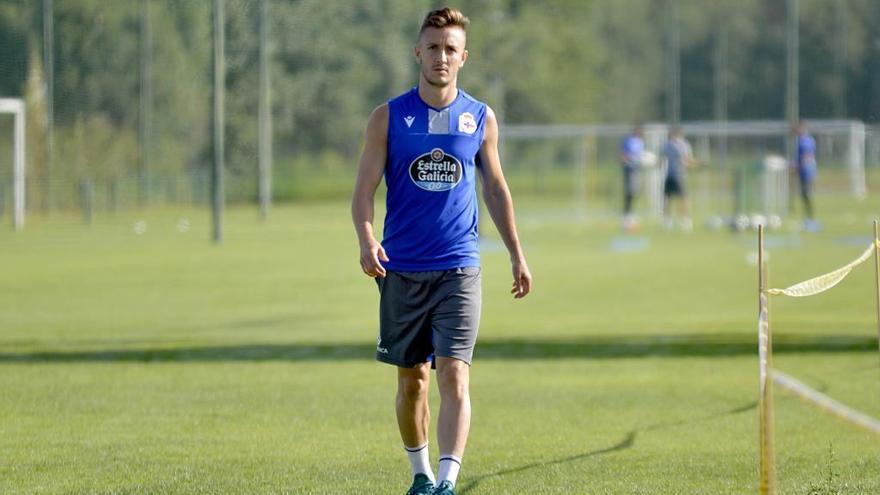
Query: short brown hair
x=445, y=17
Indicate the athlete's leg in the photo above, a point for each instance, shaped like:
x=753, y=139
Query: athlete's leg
x=628, y=190
x=453, y=380
x=667, y=209
x=456, y=324
x=413, y=415
x=806, y=189
x=453, y=425
x=687, y=222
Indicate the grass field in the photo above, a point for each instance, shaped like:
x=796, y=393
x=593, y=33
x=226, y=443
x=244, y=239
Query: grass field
x=158, y=363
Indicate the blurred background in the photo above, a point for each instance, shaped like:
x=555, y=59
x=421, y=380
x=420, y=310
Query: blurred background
x=120, y=96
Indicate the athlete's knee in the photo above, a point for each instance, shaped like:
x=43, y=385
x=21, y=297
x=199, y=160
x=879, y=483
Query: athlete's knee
x=453, y=378
x=413, y=388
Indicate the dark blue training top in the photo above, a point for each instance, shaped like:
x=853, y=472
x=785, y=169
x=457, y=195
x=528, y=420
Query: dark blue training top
x=806, y=157
x=632, y=147
x=430, y=171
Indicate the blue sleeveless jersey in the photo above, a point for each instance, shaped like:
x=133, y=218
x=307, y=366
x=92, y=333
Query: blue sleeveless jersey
x=430, y=171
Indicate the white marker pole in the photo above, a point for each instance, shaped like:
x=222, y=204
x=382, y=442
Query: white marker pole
x=15, y=106
x=765, y=360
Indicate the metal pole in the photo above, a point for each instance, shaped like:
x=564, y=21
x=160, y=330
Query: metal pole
x=792, y=102
x=767, y=484
x=146, y=103
x=840, y=59
x=720, y=80
x=49, y=73
x=219, y=84
x=720, y=103
x=265, y=117
x=673, y=96
x=792, y=62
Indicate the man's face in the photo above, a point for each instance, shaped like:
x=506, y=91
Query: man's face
x=440, y=52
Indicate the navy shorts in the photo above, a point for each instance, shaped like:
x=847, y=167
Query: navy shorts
x=427, y=314
x=673, y=186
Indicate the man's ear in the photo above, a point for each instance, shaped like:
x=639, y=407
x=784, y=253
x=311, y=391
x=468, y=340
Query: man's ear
x=418, y=53
x=464, y=56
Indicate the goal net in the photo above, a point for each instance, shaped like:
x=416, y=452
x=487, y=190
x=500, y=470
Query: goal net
x=573, y=171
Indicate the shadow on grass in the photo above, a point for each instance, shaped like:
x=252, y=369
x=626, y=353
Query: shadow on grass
x=587, y=347
x=628, y=442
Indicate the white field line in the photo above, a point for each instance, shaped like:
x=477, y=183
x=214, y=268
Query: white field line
x=824, y=402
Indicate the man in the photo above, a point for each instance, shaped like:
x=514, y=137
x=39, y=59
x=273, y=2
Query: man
x=631, y=150
x=679, y=157
x=429, y=143
x=805, y=165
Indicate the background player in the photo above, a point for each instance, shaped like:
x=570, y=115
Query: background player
x=805, y=166
x=631, y=150
x=679, y=157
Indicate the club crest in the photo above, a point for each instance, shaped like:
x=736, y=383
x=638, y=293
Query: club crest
x=467, y=123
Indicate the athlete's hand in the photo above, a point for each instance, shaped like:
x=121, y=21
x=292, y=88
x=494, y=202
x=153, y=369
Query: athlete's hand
x=371, y=253
x=522, y=279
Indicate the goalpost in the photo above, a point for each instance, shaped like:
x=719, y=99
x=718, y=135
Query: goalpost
x=576, y=166
x=15, y=106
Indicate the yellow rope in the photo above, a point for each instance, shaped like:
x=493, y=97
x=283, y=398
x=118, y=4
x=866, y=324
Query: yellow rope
x=824, y=282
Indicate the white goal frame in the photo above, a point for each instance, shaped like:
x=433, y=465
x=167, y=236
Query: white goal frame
x=699, y=133
x=15, y=106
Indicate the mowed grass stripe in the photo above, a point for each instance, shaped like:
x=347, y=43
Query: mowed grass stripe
x=158, y=363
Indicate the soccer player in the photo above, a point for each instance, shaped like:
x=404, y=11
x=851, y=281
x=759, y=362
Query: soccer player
x=430, y=143
x=805, y=165
x=679, y=157
x=631, y=150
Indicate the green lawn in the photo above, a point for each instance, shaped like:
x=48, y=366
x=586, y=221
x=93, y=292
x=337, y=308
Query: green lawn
x=159, y=363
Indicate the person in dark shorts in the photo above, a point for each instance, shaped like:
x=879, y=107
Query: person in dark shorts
x=429, y=144
x=632, y=148
x=679, y=157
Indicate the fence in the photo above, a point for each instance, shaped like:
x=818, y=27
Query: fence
x=767, y=375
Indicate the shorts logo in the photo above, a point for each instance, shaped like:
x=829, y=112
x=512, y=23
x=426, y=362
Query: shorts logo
x=435, y=171
x=383, y=350
x=467, y=123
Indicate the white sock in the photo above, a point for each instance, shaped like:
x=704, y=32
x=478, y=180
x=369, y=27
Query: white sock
x=687, y=224
x=418, y=459
x=449, y=467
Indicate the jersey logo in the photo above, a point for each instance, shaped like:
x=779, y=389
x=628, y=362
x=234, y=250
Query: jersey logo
x=409, y=119
x=435, y=171
x=467, y=123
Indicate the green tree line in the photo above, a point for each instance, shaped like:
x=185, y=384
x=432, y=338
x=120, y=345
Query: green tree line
x=332, y=61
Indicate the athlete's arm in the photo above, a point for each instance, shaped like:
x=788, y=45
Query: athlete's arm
x=500, y=205
x=689, y=159
x=370, y=169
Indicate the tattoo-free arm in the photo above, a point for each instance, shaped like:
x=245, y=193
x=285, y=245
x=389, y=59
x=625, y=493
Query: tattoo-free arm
x=370, y=170
x=500, y=205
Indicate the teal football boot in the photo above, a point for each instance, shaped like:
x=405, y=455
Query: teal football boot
x=444, y=488
x=422, y=485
